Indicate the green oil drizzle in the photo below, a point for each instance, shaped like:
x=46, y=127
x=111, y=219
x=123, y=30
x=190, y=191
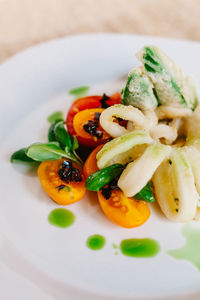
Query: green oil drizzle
x=139, y=247
x=96, y=242
x=191, y=249
x=61, y=217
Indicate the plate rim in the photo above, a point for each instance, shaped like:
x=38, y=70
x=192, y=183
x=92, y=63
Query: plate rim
x=91, y=35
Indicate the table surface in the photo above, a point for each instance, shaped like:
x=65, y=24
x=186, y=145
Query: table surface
x=27, y=22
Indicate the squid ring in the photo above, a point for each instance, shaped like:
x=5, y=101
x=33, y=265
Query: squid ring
x=169, y=133
x=128, y=113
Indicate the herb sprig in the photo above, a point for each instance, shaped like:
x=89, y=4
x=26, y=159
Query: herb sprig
x=60, y=144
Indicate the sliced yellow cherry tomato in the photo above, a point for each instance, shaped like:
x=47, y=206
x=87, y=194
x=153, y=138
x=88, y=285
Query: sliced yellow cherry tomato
x=124, y=211
x=60, y=191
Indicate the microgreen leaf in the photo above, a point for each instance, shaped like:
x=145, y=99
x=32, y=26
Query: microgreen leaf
x=57, y=115
x=75, y=143
x=20, y=155
x=62, y=136
x=46, y=151
x=51, y=133
x=73, y=156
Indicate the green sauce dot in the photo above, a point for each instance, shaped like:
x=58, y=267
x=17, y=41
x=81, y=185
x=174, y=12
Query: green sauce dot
x=139, y=247
x=115, y=246
x=96, y=242
x=61, y=217
x=190, y=251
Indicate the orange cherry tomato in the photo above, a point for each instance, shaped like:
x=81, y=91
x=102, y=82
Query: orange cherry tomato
x=124, y=211
x=61, y=192
x=90, y=165
x=82, y=118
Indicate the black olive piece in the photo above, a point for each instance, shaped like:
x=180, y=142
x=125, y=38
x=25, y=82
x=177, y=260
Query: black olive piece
x=67, y=163
x=91, y=128
x=103, y=101
x=68, y=173
x=97, y=116
x=106, y=192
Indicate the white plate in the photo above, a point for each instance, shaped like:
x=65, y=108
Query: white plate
x=37, y=260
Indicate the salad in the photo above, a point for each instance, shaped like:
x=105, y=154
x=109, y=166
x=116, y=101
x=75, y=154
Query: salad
x=133, y=148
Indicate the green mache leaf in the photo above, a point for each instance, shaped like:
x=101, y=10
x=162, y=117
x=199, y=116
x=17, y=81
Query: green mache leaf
x=20, y=155
x=62, y=136
x=69, y=153
x=145, y=194
x=75, y=146
x=46, y=151
x=57, y=115
x=74, y=157
x=51, y=133
x=75, y=143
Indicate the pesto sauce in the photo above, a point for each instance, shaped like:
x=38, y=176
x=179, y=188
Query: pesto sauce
x=191, y=249
x=61, y=217
x=139, y=247
x=96, y=242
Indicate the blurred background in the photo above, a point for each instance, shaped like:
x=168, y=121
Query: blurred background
x=27, y=22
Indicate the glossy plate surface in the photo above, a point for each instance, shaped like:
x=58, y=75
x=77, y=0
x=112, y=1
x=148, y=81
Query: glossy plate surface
x=40, y=261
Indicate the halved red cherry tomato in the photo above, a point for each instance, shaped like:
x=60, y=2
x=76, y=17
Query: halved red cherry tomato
x=82, y=119
x=59, y=190
x=87, y=103
x=124, y=211
x=90, y=165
